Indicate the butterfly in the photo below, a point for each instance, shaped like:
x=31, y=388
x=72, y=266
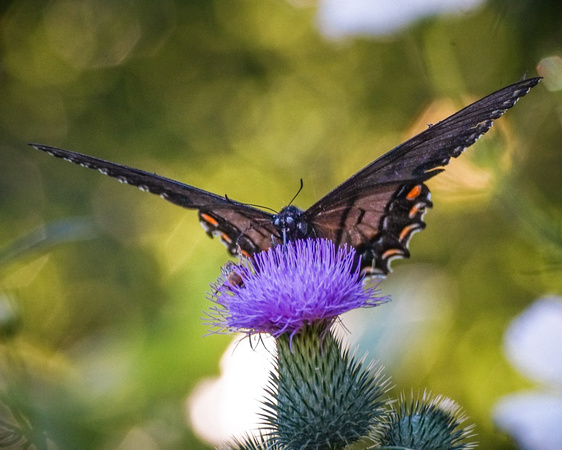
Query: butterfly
x=376, y=211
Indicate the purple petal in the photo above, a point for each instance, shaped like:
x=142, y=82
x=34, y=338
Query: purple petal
x=289, y=287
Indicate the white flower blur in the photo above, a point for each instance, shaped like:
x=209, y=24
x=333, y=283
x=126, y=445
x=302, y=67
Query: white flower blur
x=339, y=18
x=533, y=344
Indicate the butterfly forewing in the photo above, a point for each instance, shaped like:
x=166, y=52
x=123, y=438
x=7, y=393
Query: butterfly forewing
x=434, y=147
x=238, y=226
x=363, y=206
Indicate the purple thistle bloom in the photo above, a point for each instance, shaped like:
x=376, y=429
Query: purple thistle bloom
x=288, y=287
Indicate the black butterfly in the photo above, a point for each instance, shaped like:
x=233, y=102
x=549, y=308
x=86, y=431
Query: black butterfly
x=376, y=210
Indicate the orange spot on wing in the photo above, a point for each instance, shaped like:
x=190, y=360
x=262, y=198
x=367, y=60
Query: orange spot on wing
x=414, y=211
x=392, y=252
x=209, y=219
x=415, y=192
x=244, y=253
x=226, y=238
x=406, y=231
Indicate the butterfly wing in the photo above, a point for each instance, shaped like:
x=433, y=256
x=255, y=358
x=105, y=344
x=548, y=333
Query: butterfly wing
x=241, y=228
x=379, y=208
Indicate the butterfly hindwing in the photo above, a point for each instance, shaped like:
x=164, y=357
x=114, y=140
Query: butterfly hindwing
x=240, y=230
x=378, y=224
x=403, y=217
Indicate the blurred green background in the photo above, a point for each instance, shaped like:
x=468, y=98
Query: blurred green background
x=102, y=287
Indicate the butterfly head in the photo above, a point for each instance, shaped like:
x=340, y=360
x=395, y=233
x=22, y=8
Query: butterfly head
x=290, y=224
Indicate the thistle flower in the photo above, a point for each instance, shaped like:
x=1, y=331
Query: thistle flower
x=319, y=394
x=289, y=287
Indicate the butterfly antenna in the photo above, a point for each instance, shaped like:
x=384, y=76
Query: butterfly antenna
x=251, y=204
x=297, y=194
x=266, y=207
x=261, y=206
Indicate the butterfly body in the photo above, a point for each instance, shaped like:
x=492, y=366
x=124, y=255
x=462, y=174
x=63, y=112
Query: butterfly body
x=376, y=211
x=290, y=224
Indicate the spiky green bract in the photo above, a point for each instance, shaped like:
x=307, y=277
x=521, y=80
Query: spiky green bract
x=254, y=442
x=426, y=423
x=320, y=396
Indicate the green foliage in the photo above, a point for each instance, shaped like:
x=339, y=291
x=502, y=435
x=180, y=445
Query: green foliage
x=245, y=98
